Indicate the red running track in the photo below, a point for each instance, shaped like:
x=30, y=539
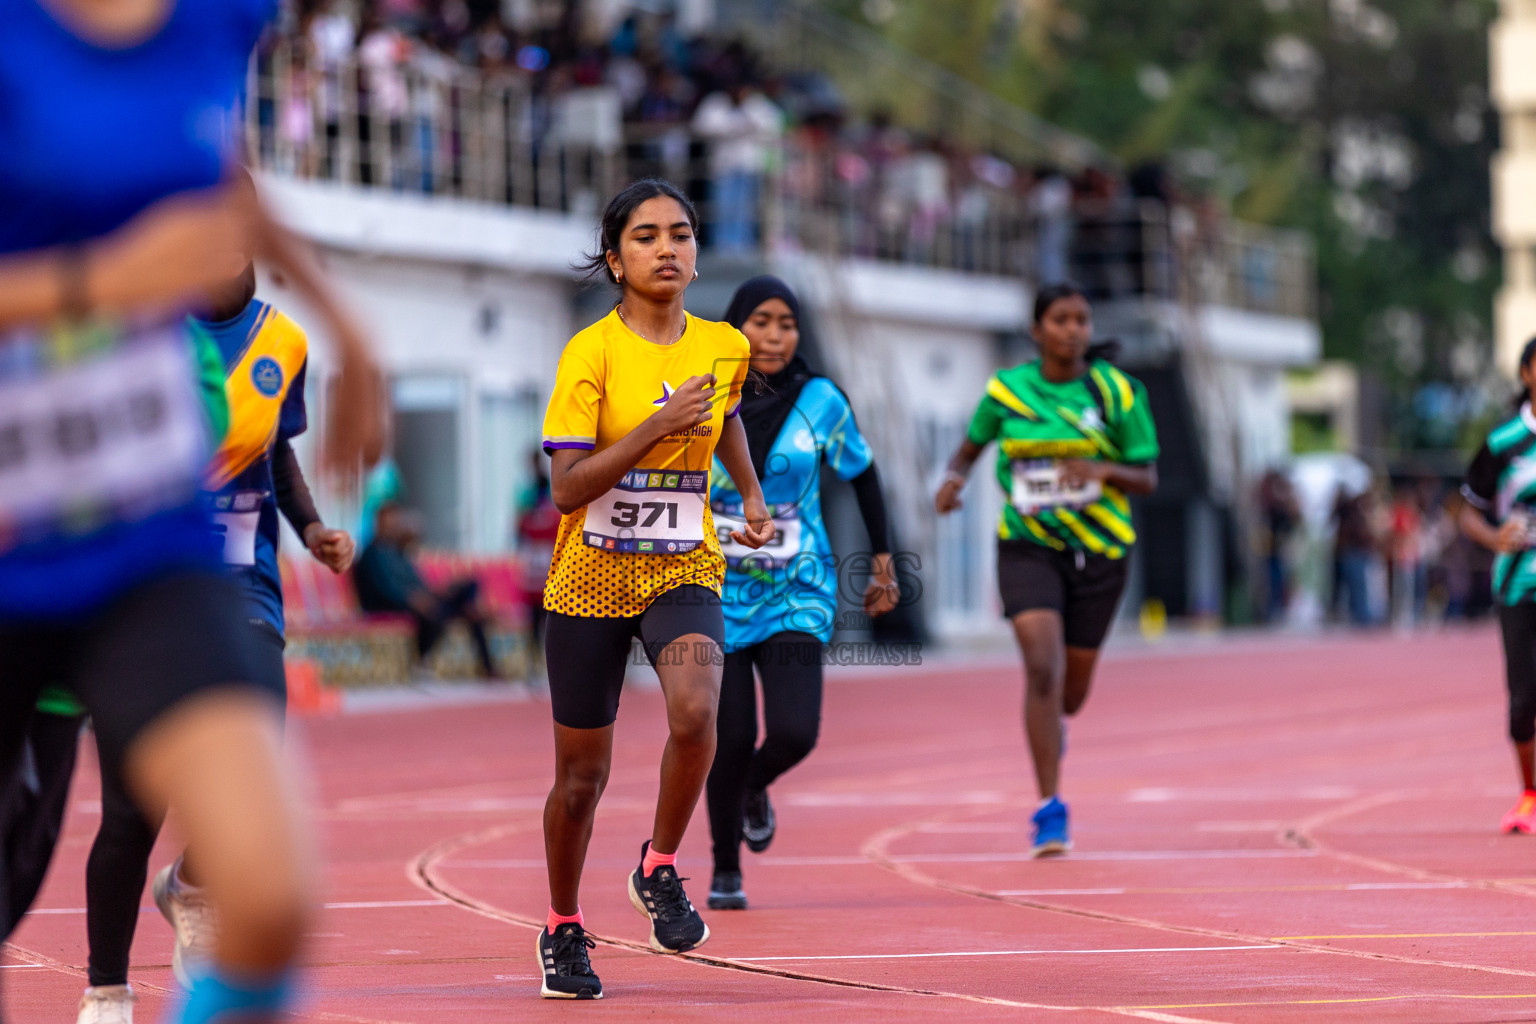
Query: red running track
x=1267, y=830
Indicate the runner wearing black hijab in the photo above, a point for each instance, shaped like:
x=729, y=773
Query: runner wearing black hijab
x=781, y=601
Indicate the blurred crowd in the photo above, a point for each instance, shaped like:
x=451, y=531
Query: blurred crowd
x=706, y=111
x=1387, y=552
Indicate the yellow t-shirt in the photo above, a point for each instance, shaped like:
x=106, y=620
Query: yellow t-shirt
x=653, y=532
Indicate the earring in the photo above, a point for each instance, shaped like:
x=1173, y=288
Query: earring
x=695, y=275
x=618, y=278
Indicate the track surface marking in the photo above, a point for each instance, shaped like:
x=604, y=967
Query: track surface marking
x=1266, y=831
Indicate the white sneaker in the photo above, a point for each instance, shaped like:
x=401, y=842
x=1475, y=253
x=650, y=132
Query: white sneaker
x=108, y=1004
x=192, y=918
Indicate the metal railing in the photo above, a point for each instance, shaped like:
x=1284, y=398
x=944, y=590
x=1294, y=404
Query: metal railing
x=1148, y=249
x=430, y=127
x=437, y=128
x=872, y=74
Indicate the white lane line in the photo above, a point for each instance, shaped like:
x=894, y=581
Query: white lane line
x=977, y=797
x=952, y=858
x=1196, y=890
x=383, y=904
x=371, y=905
x=1011, y=952
x=1163, y=795
x=24, y=967
x=987, y=858
x=1062, y=892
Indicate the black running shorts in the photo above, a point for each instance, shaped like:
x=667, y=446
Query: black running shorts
x=1085, y=589
x=586, y=657
x=266, y=652
x=132, y=660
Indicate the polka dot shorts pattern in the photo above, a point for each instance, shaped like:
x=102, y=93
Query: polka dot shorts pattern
x=589, y=581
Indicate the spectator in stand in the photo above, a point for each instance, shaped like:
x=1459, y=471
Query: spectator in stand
x=743, y=127
x=382, y=53
x=433, y=68
x=387, y=581
x=1050, y=207
x=296, y=115
x=332, y=38
x=926, y=178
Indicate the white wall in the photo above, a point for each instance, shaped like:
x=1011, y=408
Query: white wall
x=467, y=304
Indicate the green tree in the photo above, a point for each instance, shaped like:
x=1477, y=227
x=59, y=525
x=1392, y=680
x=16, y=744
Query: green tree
x=1364, y=122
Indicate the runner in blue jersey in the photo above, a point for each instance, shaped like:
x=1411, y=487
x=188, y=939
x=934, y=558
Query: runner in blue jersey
x=253, y=475
x=781, y=601
x=115, y=213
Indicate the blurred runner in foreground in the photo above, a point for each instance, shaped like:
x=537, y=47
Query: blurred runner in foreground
x=116, y=216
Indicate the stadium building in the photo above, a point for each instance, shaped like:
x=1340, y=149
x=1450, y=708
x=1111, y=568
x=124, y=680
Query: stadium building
x=450, y=199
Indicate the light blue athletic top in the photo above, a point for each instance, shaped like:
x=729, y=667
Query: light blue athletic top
x=791, y=584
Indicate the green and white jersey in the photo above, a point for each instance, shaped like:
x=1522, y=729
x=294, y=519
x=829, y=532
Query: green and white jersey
x=1037, y=423
x=1502, y=479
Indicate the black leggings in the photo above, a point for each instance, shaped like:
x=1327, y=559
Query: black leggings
x=790, y=665
x=1518, y=625
x=119, y=860
x=455, y=603
x=32, y=809
x=114, y=878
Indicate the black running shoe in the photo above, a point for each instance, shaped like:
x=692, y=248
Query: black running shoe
x=725, y=892
x=675, y=926
x=564, y=964
x=758, y=823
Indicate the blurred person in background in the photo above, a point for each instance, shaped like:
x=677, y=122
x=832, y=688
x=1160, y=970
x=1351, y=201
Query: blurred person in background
x=332, y=39
x=111, y=228
x=1355, y=549
x=1410, y=579
x=1050, y=206
x=1280, y=516
x=538, y=526
x=1075, y=438
x=382, y=53
x=1500, y=515
x=742, y=126
x=387, y=581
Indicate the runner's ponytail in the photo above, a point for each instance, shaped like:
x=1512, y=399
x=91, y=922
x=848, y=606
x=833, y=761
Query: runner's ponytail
x=1107, y=350
x=1526, y=355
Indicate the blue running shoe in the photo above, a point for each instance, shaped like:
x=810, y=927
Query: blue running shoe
x=1052, y=836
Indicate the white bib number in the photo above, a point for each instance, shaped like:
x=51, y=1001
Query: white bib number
x=116, y=436
x=650, y=512
x=778, y=552
x=1038, y=486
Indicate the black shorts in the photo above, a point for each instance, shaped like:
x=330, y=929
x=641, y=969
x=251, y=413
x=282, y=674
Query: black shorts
x=586, y=657
x=1085, y=589
x=132, y=660
x=266, y=652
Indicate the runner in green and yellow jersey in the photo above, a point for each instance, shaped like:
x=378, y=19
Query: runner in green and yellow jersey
x=1075, y=437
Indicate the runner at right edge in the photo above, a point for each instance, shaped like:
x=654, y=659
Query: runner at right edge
x=1500, y=494
x=1075, y=437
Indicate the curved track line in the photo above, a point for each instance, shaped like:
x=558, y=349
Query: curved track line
x=423, y=872
x=1303, y=836
x=876, y=849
